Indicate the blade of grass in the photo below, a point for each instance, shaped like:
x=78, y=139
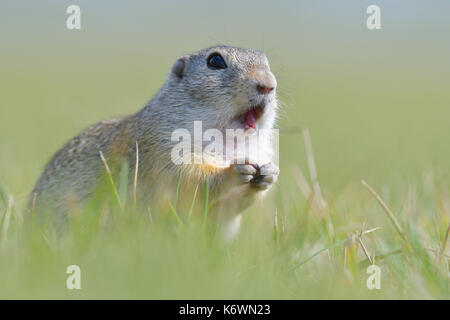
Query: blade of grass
x=364, y=248
x=175, y=214
x=123, y=182
x=206, y=203
x=381, y=257
x=110, y=179
x=320, y=201
x=340, y=242
x=4, y=197
x=275, y=226
x=7, y=218
x=444, y=243
x=177, y=188
x=389, y=213
x=136, y=169
x=302, y=183
x=4, y=194
x=191, y=208
x=150, y=216
x=33, y=205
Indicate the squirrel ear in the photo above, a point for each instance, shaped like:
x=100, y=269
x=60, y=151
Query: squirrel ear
x=178, y=67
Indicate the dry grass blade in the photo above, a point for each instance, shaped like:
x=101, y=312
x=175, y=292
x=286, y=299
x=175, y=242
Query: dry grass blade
x=33, y=204
x=4, y=197
x=366, y=252
x=3, y=194
x=444, y=243
x=402, y=251
x=150, y=216
x=388, y=211
x=340, y=242
x=7, y=219
x=136, y=170
x=312, y=170
x=302, y=183
x=275, y=226
x=283, y=226
x=345, y=258
x=110, y=179
x=177, y=188
x=206, y=203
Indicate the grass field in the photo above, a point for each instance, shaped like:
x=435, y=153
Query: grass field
x=376, y=106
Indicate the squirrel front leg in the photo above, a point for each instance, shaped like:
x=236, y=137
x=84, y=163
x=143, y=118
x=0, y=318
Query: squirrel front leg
x=236, y=188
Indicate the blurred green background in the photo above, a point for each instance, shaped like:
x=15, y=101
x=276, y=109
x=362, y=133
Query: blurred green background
x=376, y=102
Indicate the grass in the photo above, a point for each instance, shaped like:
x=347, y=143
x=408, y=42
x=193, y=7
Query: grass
x=282, y=252
x=114, y=191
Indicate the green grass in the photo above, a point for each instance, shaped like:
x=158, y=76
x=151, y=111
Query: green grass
x=286, y=249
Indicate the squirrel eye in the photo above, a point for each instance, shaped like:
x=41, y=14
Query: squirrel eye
x=216, y=61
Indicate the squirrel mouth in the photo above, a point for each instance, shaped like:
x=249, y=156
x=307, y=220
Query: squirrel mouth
x=252, y=116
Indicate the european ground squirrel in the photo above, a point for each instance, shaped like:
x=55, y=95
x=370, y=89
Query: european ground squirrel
x=224, y=88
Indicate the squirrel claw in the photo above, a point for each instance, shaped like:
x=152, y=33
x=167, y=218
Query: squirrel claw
x=260, y=177
x=245, y=172
x=268, y=174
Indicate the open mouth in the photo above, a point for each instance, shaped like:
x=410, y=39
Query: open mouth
x=252, y=116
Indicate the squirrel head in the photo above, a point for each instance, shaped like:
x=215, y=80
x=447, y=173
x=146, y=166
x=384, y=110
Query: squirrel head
x=224, y=87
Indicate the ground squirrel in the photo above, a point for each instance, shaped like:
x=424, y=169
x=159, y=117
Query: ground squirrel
x=224, y=88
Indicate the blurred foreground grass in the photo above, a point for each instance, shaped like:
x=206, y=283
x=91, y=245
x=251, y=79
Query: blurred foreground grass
x=287, y=249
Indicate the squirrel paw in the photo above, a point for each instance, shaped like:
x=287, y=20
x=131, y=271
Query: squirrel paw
x=245, y=172
x=268, y=174
x=259, y=177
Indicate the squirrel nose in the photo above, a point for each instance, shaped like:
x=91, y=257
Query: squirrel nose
x=263, y=89
x=266, y=82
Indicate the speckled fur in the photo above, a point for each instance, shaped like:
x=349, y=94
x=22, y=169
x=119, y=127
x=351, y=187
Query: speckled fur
x=216, y=97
